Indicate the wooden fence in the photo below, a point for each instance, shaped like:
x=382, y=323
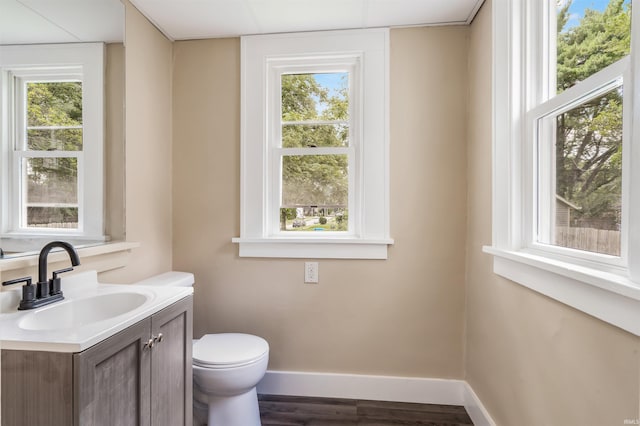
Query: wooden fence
x=589, y=239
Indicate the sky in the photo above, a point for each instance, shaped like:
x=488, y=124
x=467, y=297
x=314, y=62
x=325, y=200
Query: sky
x=329, y=79
x=576, y=11
x=332, y=81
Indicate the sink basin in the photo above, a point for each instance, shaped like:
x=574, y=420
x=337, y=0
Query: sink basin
x=81, y=312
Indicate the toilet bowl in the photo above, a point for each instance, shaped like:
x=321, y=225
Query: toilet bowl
x=226, y=369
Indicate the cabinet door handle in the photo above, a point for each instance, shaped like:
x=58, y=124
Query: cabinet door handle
x=153, y=340
x=149, y=344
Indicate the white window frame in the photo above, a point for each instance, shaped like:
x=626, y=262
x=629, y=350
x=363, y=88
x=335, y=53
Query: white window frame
x=61, y=62
x=615, y=75
x=365, y=53
x=606, y=287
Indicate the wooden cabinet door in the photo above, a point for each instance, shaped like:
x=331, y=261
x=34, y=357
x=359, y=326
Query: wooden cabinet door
x=37, y=388
x=171, y=377
x=112, y=380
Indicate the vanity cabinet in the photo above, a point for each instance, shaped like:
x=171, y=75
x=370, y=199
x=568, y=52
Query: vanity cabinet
x=139, y=376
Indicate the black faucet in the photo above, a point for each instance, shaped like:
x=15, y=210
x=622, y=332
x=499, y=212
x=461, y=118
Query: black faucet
x=45, y=291
x=42, y=259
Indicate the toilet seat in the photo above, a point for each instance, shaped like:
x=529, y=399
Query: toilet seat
x=228, y=350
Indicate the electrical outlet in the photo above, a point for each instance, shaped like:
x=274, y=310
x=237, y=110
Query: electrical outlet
x=311, y=272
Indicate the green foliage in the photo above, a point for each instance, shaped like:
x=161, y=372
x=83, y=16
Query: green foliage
x=589, y=137
x=54, y=104
x=315, y=180
x=286, y=214
x=342, y=221
x=314, y=135
x=322, y=220
x=601, y=39
x=338, y=108
x=299, y=94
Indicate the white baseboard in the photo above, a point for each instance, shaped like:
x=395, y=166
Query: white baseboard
x=377, y=388
x=479, y=415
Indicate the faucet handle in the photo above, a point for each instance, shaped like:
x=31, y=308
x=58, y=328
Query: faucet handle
x=61, y=271
x=55, y=281
x=28, y=291
x=26, y=280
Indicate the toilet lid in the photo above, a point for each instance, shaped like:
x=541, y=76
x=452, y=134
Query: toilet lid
x=228, y=349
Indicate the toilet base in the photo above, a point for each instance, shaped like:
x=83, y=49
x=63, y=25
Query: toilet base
x=200, y=412
x=238, y=410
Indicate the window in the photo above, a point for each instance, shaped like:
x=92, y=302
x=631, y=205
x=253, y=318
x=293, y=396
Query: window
x=563, y=205
x=315, y=145
x=578, y=131
x=48, y=141
x=52, y=141
x=313, y=152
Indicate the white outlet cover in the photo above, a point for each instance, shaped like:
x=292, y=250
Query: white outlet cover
x=311, y=272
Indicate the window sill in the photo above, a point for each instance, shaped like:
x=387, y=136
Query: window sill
x=610, y=297
x=30, y=242
x=30, y=259
x=318, y=248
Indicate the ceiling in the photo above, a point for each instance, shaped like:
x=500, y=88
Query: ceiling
x=61, y=21
x=70, y=21
x=194, y=19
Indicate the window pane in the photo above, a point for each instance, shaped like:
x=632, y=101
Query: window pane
x=52, y=192
x=591, y=36
x=313, y=218
x=54, y=115
x=52, y=217
x=314, y=184
x=588, y=175
x=313, y=97
x=54, y=104
x=314, y=135
x=54, y=139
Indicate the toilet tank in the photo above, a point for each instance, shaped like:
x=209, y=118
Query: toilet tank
x=169, y=279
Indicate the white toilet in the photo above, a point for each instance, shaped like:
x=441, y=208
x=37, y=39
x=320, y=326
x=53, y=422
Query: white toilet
x=226, y=369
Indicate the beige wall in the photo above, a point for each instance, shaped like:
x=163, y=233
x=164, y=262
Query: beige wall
x=531, y=360
x=148, y=201
x=403, y=316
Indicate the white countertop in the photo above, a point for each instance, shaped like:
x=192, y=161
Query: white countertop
x=76, y=339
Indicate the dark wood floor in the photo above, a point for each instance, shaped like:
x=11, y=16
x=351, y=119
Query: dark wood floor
x=296, y=410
